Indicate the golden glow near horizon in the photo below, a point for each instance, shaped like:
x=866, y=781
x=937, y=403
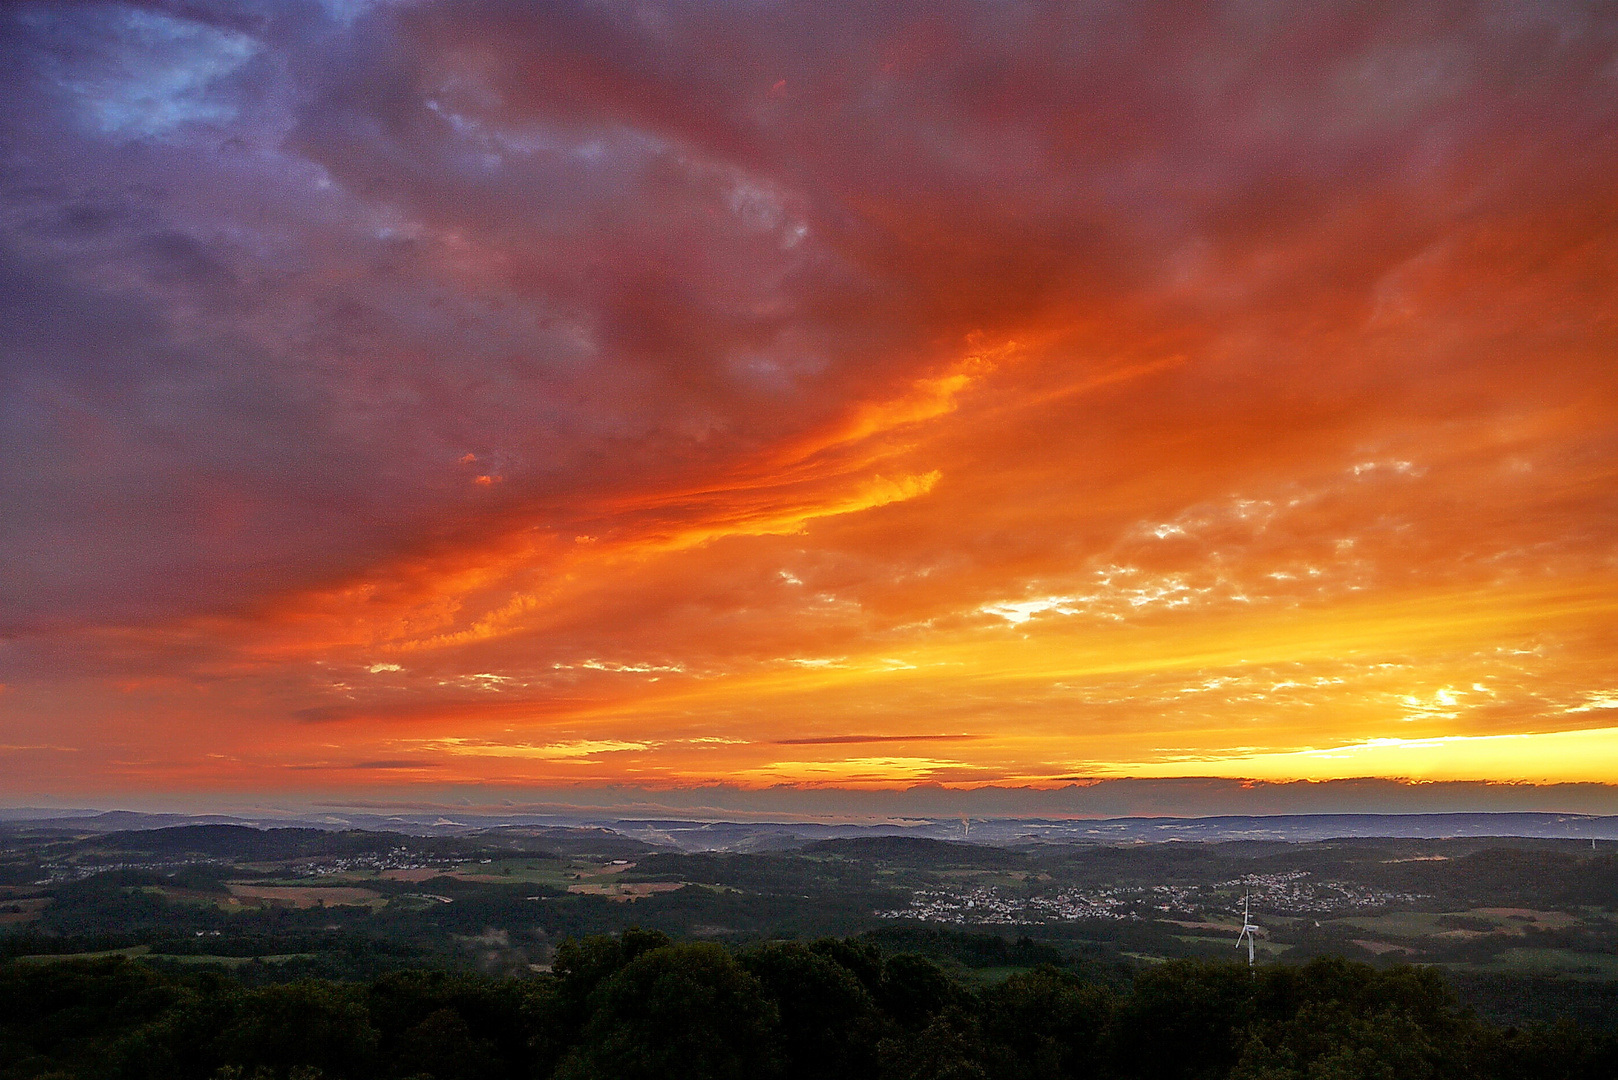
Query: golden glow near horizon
x=1251, y=412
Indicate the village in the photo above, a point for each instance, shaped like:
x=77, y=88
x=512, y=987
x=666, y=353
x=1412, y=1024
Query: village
x=1290, y=893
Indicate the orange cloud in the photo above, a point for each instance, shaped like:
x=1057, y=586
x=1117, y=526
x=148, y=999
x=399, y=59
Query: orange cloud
x=628, y=402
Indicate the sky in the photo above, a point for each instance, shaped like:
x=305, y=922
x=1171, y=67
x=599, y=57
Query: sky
x=405, y=397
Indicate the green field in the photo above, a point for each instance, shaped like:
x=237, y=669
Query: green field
x=1403, y=924
x=229, y=961
x=145, y=952
x=1564, y=962
x=52, y=958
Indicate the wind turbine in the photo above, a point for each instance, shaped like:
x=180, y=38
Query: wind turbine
x=1247, y=932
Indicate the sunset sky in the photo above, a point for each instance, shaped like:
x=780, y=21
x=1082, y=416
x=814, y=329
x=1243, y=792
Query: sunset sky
x=402, y=398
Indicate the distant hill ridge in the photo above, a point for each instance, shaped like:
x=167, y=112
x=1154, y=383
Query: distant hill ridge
x=628, y=837
x=919, y=850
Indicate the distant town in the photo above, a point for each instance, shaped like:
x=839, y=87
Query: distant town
x=1291, y=893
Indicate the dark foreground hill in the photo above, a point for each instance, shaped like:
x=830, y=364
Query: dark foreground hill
x=638, y=1007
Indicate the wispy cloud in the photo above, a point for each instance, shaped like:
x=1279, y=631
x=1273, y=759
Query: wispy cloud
x=831, y=740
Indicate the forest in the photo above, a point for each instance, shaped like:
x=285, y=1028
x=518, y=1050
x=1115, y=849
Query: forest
x=640, y=1006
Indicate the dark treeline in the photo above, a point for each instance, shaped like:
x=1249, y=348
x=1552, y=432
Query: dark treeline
x=639, y=1007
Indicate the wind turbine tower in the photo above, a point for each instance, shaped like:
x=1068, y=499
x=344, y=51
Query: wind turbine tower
x=1247, y=933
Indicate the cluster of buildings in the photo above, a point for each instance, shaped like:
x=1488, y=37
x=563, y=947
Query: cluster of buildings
x=1291, y=892
x=56, y=873
x=1294, y=892
x=400, y=858
x=988, y=907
